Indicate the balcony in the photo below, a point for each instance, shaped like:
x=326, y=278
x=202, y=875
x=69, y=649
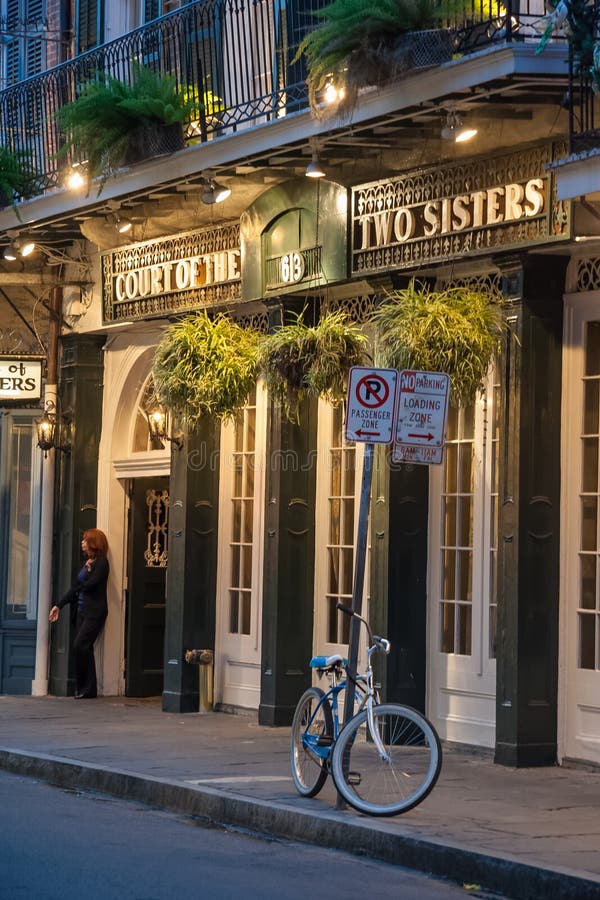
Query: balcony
x=240, y=52
x=584, y=86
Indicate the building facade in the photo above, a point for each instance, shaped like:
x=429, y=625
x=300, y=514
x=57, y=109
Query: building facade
x=239, y=536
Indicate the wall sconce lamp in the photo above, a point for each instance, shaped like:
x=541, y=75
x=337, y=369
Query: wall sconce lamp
x=47, y=431
x=333, y=94
x=213, y=192
x=157, y=427
x=315, y=167
x=76, y=177
x=454, y=130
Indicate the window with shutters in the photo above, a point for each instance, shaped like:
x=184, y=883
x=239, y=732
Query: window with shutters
x=24, y=45
x=89, y=18
x=155, y=8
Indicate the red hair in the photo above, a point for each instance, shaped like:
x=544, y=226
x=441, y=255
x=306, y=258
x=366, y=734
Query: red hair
x=96, y=541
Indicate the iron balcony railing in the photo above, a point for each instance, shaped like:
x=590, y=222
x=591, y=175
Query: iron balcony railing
x=584, y=80
x=236, y=58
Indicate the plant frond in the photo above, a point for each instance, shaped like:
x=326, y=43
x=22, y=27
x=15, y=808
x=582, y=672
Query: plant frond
x=298, y=360
x=205, y=366
x=456, y=331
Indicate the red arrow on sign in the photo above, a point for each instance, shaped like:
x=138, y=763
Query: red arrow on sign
x=418, y=434
x=360, y=432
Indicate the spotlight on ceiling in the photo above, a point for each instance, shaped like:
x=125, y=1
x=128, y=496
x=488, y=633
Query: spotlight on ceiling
x=454, y=130
x=123, y=224
x=315, y=167
x=213, y=192
x=21, y=246
x=26, y=245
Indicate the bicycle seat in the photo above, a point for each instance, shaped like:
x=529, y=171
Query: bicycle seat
x=327, y=662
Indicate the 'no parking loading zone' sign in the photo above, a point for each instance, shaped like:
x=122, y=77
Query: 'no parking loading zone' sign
x=371, y=405
x=407, y=407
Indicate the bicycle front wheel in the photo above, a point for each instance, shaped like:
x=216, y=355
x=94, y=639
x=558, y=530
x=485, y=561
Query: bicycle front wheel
x=312, y=729
x=386, y=787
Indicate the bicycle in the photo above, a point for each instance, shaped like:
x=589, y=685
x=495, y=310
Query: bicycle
x=384, y=761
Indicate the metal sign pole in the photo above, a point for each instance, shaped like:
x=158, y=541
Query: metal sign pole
x=358, y=586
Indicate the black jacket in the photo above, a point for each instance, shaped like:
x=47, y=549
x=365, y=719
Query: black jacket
x=92, y=590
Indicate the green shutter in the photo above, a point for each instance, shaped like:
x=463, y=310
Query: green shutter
x=151, y=10
x=90, y=24
x=24, y=55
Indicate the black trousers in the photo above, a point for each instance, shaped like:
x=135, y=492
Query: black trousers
x=86, y=631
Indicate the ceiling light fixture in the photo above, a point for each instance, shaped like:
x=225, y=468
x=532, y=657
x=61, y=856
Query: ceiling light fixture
x=123, y=224
x=315, y=167
x=454, y=130
x=213, y=192
x=10, y=252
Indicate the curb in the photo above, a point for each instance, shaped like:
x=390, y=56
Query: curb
x=517, y=880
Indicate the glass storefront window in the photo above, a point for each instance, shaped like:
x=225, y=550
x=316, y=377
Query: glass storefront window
x=20, y=513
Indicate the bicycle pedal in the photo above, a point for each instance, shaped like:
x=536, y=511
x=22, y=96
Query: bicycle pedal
x=353, y=778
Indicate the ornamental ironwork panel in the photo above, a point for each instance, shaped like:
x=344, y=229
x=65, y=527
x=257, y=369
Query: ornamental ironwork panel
x=194, y=270
x=588, y=274
x=470, y=207
x=156, y=554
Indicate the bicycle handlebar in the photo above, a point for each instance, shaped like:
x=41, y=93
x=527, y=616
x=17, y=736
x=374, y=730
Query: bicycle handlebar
x=381, y=643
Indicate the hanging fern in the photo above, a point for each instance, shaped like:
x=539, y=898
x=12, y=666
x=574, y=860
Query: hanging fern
x=355, y=41
x=205, y=366
x=298, y=360
x=456, y=331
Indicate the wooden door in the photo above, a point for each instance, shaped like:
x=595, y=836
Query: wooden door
x=462, y=575
x=147, y=569
x=580, y=531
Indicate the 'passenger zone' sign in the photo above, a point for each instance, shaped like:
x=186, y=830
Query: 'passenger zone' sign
x=371, y=405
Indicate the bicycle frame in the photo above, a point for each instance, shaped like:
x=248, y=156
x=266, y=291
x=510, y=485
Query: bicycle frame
x=384, y=758
x=315, y=743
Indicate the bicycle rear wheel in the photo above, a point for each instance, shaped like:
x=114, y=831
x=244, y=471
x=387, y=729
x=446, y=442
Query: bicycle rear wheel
x=315, y=721
x=387, y=787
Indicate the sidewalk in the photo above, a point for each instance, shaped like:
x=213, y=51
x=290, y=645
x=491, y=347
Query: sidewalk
x=533, y=834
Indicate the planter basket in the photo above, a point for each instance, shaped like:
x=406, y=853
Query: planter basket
x=379, y=64
x=428, y=48
x=154, y=140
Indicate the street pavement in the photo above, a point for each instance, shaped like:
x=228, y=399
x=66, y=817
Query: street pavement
x=531, y=834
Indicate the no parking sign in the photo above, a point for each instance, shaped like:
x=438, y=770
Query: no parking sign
x=371, y=405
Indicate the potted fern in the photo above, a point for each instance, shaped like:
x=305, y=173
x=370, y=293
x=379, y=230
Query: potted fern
x=114, y=123
x=362, y=42
x=205, y=366
x=456, y=330
x=299, y=360
x=17, y=178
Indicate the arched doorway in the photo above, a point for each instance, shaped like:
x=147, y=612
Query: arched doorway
x=133, y=486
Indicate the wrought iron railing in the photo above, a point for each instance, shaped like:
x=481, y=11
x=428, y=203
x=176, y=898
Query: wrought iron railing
x=584, y=81
x=236, y=58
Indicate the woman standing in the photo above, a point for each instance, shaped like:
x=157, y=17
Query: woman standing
x=89, y=591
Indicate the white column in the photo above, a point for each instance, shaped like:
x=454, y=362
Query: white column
x=39, y=685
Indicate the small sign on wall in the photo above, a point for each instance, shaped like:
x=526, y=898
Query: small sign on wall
x=20, y=379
